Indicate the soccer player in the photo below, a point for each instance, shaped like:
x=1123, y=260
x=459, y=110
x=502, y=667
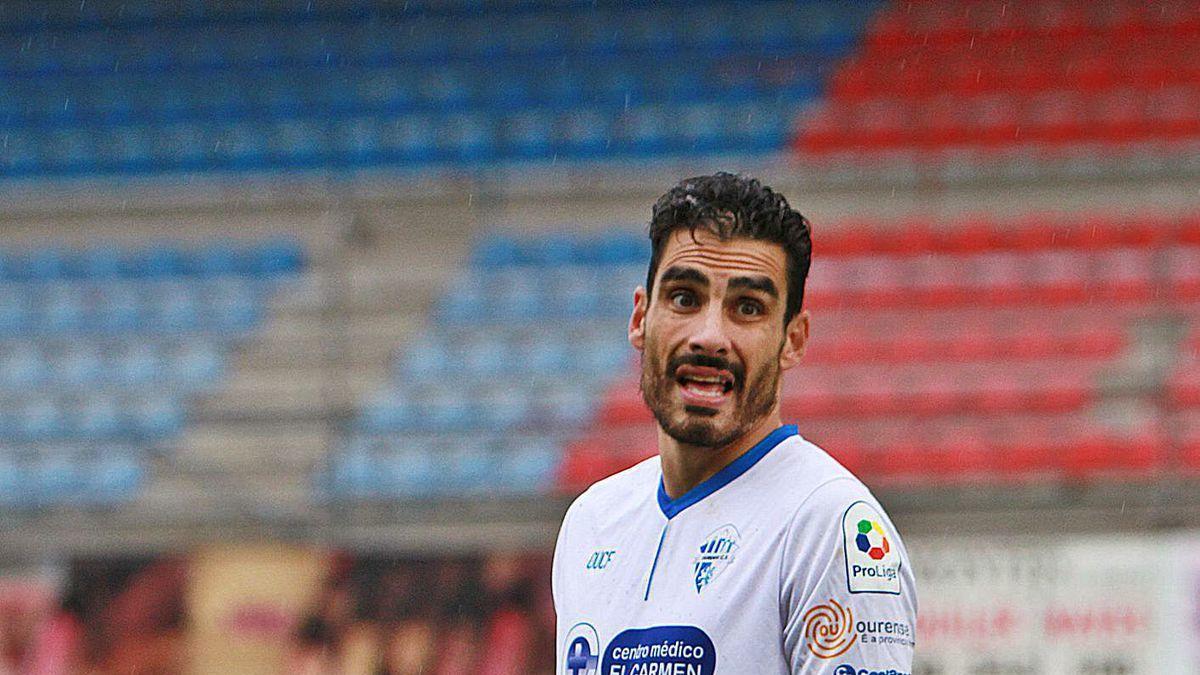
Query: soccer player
x=742, y=548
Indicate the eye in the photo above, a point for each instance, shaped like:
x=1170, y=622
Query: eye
x=749, y=308
x=682, y=299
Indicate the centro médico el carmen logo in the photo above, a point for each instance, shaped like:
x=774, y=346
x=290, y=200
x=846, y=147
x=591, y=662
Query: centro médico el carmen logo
x=872, y=561
x=582, y=651
x=716, y=553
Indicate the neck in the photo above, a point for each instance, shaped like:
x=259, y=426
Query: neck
x=686, y=466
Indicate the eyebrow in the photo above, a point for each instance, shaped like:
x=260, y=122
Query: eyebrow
x=762, y=284
x=677, y=273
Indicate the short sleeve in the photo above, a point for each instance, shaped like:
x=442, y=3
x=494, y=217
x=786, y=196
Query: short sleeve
x=847, y=596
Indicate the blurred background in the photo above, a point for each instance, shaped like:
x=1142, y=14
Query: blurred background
x=312, y=313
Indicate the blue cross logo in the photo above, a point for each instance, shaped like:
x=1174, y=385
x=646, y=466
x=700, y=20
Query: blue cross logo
x=580, y=660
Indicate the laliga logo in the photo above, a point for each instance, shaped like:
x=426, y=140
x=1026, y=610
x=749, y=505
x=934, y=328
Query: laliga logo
x=829, y=630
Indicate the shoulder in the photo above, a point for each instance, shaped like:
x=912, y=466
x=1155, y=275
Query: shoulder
x=608, y=498
x=809, y=482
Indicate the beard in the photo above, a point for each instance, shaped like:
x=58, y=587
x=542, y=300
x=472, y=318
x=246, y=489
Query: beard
x=753, y=398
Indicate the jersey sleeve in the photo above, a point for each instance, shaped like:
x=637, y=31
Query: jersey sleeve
x=847, y=597
x=558, y=581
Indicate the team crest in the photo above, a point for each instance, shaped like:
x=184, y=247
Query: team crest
x=716, y=553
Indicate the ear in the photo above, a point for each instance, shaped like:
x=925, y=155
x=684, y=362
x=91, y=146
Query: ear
x=795, y=340
x=637, y=320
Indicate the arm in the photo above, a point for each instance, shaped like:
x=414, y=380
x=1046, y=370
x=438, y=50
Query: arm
x=847, y=596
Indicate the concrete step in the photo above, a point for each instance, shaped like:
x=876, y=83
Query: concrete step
x=250, y=447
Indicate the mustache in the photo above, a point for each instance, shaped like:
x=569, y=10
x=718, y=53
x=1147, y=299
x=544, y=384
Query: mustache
x=706, y=361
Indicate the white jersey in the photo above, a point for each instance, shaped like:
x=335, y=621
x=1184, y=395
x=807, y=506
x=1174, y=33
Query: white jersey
x=781, y=563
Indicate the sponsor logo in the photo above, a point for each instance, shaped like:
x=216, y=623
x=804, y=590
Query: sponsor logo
x=660, y=650
x=871, y=539
x=829, y=629
x=716, y=553
x=581, y=650
x=600, y=559
x=872, y=560
x=847, y=669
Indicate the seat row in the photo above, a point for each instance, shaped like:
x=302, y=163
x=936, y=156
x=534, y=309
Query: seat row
x=621, y=244
x=94, y=415
x=218, y=259
x=1004, y=334
x=1022, y=233
x=227, y=304
x=498, y=88
x=1006, y=277
x=447, y=466
x=517, y=355
x=89, y=477
x=1093, y=69
x=470, y=137
x=514, y=295
x=184, y=365
x=994, y=120
x=505, y=402
x=417, y=38
x=963, y=24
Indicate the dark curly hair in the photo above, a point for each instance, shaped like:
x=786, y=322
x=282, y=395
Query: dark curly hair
x=730, y=205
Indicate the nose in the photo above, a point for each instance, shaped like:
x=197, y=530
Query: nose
x=710, y=337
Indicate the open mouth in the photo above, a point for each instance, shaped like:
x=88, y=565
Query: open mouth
x=704, y=385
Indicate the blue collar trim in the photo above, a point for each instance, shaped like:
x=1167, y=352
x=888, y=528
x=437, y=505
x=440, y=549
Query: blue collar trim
x=725, y=476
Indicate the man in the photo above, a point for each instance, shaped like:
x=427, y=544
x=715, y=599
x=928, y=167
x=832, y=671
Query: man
x=741, y=548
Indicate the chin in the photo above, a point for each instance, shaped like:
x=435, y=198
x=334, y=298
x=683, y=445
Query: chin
x=695, y=429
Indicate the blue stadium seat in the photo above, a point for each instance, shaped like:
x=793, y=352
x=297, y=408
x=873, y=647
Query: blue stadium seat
x=118, y=307
x=77, y=365
x=37, y=419
x=112, y=477
x=526, y=465
x=195, y=363
x=442, y=408
x=275, y=257
x=501, y=406
x=388, y=410
x=547, y=353
x=99, y=262
x=14, y=482
x=56, y=475
x=62, y=306
x=155, y=417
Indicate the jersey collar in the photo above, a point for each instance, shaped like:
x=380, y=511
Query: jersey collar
x=726, y=475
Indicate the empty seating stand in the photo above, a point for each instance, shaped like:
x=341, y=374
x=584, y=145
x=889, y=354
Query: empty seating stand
x=983, y=79
x=975, y=350
x=145, y=87
x=516, y=357
x=101, y=350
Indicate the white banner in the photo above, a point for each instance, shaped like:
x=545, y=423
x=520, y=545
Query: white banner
x=1108, y=605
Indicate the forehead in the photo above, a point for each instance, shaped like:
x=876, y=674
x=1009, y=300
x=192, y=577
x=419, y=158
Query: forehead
x=737, y=256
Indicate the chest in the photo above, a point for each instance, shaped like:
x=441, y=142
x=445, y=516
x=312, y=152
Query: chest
x=695, y=571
